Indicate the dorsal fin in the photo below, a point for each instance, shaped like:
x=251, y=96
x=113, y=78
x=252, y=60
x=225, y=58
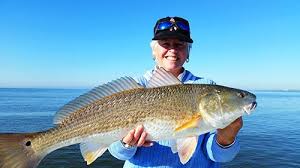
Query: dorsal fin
x=124, y=83
x=161, y=77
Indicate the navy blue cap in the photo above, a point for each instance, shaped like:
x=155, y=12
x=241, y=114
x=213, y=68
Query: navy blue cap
x=172, y=32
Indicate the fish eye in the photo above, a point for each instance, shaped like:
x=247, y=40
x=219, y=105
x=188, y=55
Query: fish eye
x=241, y=94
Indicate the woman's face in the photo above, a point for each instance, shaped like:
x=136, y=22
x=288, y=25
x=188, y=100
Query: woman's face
x=171, y=55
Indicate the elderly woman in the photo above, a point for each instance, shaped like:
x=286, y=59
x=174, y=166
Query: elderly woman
x=170, y=48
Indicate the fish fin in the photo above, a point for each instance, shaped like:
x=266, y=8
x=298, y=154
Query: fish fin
x=186, y=148
x=91, y=150
x=124, y=83
x=173, y=145
x=192, y=123
x=16, y=151
x=161, y=77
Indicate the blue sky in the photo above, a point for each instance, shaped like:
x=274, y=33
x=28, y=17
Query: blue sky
x=250, y=44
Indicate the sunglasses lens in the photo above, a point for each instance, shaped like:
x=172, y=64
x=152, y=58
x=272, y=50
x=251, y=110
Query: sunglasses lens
x=182, y=26
x=164, y=25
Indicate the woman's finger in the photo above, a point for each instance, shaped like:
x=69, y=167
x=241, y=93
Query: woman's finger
x=142, y=139
x=137, y=134
x=128, y=138
x=148, y=144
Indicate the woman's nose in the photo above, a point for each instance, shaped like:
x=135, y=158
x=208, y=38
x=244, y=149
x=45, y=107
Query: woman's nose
x=173, y=49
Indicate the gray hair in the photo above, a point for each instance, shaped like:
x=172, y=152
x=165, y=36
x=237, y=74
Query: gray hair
x=154, y=43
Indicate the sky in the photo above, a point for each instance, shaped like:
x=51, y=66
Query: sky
x=249, y=44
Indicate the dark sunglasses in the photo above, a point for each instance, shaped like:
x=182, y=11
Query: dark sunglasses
x=168, y=24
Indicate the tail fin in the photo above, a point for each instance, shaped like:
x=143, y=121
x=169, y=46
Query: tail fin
x=16, y=151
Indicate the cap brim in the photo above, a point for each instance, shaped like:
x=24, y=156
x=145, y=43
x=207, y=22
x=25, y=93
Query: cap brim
x=169, y=34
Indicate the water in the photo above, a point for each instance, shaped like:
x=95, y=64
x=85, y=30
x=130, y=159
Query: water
x=270, y=136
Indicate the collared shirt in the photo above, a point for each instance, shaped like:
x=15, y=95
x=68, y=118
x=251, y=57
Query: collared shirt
x=185, y=77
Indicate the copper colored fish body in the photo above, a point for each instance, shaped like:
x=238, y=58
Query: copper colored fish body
x=166, y=108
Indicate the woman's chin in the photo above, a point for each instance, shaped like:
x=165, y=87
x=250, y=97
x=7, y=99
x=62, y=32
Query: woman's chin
x=172, y=68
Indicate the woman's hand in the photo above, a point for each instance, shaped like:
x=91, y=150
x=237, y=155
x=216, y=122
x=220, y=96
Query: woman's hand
x=227, y=135
x=137, y=137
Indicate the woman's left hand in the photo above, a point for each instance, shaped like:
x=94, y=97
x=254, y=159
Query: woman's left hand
x=227, y=135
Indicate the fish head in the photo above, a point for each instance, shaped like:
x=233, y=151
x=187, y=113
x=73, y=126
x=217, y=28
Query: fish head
x=222, y=105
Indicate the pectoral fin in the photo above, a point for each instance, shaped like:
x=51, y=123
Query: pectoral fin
x=186, y=148
x=91, y=150
x=173, y=145
x=192, y=123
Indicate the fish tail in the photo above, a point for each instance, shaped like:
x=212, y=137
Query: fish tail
x=16, y=151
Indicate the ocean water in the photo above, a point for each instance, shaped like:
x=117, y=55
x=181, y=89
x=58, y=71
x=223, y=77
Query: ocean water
x=270, y=136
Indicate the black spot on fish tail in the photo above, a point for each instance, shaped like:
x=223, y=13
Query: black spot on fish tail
x=28, y=143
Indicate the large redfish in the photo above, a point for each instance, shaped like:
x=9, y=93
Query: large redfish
x=166, y=108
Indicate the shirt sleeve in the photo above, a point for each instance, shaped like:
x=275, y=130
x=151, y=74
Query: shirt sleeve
x=218, y=153
x=119, y=151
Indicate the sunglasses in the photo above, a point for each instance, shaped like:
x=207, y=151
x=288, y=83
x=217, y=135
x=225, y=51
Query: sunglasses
x=168, y=24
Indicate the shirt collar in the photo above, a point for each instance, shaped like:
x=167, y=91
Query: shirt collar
x=180, y=76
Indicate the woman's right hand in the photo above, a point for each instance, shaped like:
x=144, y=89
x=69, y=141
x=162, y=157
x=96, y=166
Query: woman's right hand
x=137, y=137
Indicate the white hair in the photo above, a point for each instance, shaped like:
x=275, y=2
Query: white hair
x=154, y=43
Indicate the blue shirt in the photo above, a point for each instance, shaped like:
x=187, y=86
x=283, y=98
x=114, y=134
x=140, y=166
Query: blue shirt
x=208, y=153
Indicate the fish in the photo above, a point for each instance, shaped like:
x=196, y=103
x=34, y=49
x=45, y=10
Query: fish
x=167, y=108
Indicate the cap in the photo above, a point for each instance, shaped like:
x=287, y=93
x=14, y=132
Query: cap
x=172, y=27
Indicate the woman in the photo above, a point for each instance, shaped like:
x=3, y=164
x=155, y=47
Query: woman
x=170, y=48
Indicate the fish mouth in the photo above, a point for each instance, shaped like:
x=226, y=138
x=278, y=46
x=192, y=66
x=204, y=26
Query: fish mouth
x=250, y=107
